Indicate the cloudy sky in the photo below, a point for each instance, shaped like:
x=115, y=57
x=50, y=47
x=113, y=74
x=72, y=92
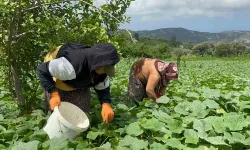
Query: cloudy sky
x=200, y=15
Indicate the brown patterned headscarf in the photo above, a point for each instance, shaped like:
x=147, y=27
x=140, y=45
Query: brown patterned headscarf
x=168, y=71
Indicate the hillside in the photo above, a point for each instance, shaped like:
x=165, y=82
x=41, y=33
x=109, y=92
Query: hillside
x=185, y=35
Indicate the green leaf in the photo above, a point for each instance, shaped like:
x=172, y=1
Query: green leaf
x=228, y=137
x=122, y=107
x=134, y=129
x=159, y=114
x=58, y=143
x=151, y=124
x=211, y=104
x=151, y=104
x=157, y=146
x=8, y=135
x=217, y=123
x=210, y=93
x=33, y=145
x=193, y=94
x=174, y=143
x=191, y=136
x=175, y=125
x=198, y=109
x=218, y=140
x=133, y=143
x=182, y=108
x=163, y=100
x=234, y=121
x=202, y=126
x=93, y=135
x=39, y=135
x=106, y=146
x=22, y=130
x=1, y=117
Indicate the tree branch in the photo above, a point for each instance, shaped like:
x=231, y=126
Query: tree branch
x=44, y=4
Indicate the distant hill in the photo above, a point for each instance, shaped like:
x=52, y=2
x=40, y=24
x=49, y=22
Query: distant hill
x=185, y=35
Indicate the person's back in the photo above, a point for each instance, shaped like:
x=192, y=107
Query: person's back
x=149, y=78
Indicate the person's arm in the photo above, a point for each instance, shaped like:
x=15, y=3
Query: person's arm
x=103, y=91
x=45, y=77
x=59, y=68
x=153, y=81
x=163, y=89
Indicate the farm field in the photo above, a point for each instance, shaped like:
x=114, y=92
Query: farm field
x=207, y=108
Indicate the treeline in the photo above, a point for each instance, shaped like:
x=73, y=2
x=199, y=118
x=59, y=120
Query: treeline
x=166, y=48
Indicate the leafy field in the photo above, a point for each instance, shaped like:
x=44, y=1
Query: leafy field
x=208, y=108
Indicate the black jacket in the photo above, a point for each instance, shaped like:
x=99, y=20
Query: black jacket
x=85, y=60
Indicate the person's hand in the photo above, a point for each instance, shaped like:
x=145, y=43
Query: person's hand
x=158, y=95
x=107, y=113
x=54, y=100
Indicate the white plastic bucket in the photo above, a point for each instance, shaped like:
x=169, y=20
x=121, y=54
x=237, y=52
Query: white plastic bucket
x=67, y=120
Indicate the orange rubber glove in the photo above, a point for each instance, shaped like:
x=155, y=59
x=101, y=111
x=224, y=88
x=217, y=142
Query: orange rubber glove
x=107, y=113
x=54, y=100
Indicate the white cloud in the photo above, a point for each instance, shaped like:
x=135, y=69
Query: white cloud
x=169, y=9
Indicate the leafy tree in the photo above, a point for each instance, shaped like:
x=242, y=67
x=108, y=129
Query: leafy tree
x=136, y=36
x=189, y=45
x=31, y=28
x=237, y=48
x=205, y=48
x=222, y=49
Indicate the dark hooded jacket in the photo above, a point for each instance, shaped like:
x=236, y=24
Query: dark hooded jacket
x=85, y=60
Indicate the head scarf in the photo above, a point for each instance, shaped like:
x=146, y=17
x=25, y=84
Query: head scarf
x=168, y=71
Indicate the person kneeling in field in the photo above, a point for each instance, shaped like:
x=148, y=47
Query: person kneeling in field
x=149, y=78
x=71, y=69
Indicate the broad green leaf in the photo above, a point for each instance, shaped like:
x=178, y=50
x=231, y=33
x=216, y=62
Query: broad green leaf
x=174, y=143
x=189, y=119
x=93, y=135
x=206, y=148
x=133, y=143
x=160, y=115
x=177, y=98
x=32, y=145
x=175, y=125
x=40, y=135
x=211, y=104
x=182, y=108
x=163, y=100
x=244, y=105
x=22, y=130
x=122, y=107
x=198, y=109
x=134, y=129
x=8, y=135
x=217, y=123
x=193, y=94
x=1, y=117
x=151, y=124
x=218, y=140
x=140, y=114
x=106, y=146
x=157, y=146
x=228, y=137
x=202, y=126
x=234, y=121
x=210, y=93
x=151, y=104
x=58, y=143
x=197, y=106
x=122, y=148
x=191, y=136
